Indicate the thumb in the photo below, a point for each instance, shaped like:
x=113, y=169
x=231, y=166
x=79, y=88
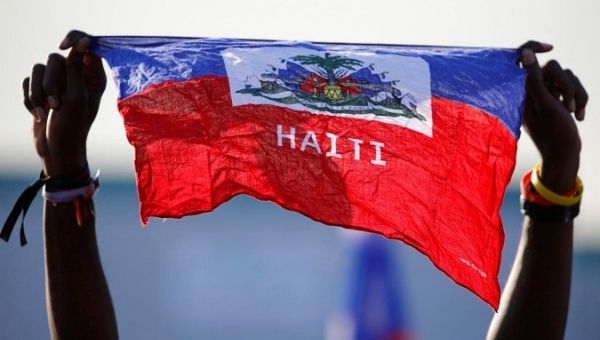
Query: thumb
x=535, y=78
x=75, y=66
x=93, y=73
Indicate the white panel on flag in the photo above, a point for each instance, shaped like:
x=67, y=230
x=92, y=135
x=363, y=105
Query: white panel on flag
x=388, y=88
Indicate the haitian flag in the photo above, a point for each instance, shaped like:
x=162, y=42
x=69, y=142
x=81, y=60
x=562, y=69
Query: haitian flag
x=414, y=143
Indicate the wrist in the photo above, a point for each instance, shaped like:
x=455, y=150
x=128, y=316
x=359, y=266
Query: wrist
x=560, y=175
x=64, y=166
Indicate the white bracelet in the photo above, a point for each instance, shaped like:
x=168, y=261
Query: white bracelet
x=69, y=195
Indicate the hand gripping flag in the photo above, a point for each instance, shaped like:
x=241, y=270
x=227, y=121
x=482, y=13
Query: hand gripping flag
x=415, y=143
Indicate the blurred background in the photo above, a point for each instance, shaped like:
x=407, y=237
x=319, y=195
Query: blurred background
x=250, y=269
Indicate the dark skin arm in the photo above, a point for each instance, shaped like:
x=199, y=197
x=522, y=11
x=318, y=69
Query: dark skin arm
x=535, y=300
x=63, y=96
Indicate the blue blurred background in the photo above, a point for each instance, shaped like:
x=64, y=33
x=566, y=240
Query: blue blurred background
x=251, y=270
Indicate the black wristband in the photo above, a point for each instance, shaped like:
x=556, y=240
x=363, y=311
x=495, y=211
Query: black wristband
x=553, y=213
x=53, y=184
x=78, y=180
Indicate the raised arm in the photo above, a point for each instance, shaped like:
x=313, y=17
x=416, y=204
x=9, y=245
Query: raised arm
x=63, y=96
x=535, y=301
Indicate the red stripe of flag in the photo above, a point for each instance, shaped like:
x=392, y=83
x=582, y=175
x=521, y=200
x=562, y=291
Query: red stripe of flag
x=195, y=151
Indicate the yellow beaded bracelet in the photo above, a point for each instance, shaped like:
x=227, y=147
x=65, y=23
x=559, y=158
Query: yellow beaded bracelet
x=551, y=196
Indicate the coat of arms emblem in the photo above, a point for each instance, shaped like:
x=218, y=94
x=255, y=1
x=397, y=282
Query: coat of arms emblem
x=334, y=84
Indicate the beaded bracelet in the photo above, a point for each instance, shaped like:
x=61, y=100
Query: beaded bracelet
x=571, y=198
x=539, y=207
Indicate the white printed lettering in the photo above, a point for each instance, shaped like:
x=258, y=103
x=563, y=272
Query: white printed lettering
x=378, y=146
x=333, y=149
x=310, y=140
x=338, y=146
x=357, y=143
x=291, y=136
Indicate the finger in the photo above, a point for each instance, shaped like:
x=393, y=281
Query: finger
x=76, y=39
x=536, y=46
x=26, y=100
x=54, y=79
x=95, y=80
x=94, y=75
x=581, y=96
x=559, y=77
x=36, y=92
x=535, y=78
x=74, y=67
x=79, y=43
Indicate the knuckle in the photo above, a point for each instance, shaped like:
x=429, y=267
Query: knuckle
x=553, y=64
x=36, y=99
x=74, y=63
x=75, y=97
x=570, y=92
x=569, y=86
x=37, y=68
x=75, y=35
x=580, y=89
x=72, y=33
x=54, y=58
x=49, y=86
x=529, y=44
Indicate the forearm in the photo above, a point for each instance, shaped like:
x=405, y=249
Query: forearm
x=78, y=300
x=535, y=301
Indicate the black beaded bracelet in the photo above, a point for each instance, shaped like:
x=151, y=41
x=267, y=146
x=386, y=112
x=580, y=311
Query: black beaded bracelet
x=553, y=213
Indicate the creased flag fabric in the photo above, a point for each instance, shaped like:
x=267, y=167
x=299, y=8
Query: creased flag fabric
x=414, y=143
